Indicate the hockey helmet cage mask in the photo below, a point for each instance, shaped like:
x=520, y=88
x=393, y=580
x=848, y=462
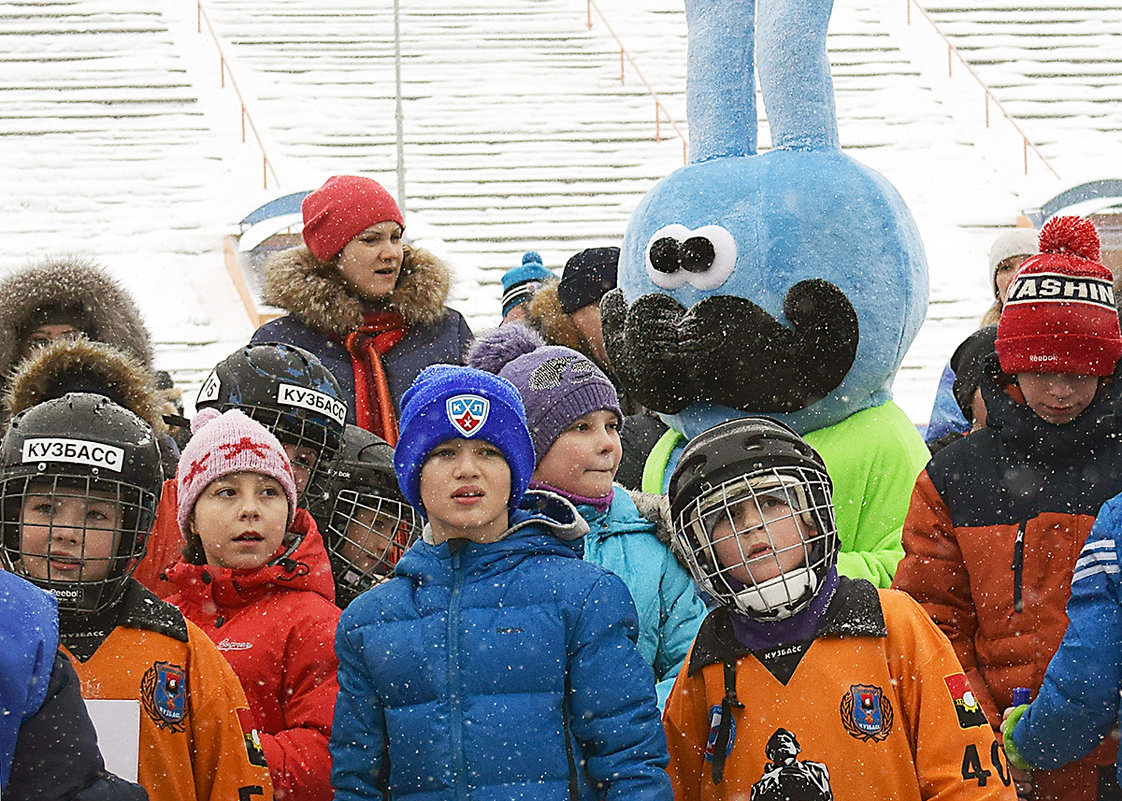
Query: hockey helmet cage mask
x=365, y=521
x=79, y=486
x=752, y=512
x=287, y=390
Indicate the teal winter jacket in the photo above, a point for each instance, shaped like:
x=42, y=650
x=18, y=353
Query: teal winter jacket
x=670, y=612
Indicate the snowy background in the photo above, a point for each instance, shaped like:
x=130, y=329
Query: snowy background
x=118, y=139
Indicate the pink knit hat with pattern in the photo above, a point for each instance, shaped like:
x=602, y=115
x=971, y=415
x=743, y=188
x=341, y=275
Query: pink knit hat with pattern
x=229, y=442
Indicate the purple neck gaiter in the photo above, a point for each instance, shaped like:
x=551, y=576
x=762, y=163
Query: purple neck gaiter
x=757, y=635
x=599, y=504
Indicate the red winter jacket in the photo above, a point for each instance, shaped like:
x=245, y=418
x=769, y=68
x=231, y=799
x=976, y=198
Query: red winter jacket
x=276, y=626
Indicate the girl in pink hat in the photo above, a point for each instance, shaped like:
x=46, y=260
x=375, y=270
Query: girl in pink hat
x=256, y=578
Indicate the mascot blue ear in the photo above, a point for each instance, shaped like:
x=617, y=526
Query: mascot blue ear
x=789, y=282
x=794, y=77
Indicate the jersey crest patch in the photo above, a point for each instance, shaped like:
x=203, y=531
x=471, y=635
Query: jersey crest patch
x=163, y=694
x=966, y=706
x=468, y=413
x=866, y=713
x=253, y=747
x=714, y=726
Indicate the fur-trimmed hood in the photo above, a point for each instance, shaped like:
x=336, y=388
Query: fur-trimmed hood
x=312, y=290
x=81, y=365
x=108, y=308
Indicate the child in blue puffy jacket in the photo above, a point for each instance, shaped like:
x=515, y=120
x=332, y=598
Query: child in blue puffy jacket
x=574, y=416
x=496, y=664
x=1078, y=704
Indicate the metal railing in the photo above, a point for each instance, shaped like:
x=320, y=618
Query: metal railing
x=223, y=71
x=624, y=59
x=952, y=54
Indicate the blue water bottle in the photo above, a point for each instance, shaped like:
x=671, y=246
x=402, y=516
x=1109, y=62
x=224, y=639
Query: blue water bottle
x=1021, y=695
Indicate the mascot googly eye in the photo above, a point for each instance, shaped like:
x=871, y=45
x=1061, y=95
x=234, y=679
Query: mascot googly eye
x=703, y=258
x=789, y=283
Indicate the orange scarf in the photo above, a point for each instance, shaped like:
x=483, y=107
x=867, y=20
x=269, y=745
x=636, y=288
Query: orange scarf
x=378, y=335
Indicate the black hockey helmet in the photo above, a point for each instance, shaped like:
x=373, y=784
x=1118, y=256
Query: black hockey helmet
x=287, y=390
x=80, y=479
x=763, y=463
x=365, y=521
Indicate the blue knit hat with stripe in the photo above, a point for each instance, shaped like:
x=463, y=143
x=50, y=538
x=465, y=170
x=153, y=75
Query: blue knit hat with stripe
x=520, y=283
x=448, y=402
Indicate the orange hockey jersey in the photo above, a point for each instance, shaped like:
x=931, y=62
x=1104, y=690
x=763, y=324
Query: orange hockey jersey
x=876, y=707
x=197, y=741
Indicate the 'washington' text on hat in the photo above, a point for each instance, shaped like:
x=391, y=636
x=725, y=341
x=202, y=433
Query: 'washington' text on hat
x=1059, y=288
x=74, y=451
x=292, y=395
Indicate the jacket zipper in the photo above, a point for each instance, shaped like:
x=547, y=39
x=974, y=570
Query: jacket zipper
x=454, y=676
x=1018, y=568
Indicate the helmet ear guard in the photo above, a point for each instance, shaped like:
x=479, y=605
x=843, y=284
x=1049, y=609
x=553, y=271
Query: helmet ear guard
x=80, y=479
x=753, y=480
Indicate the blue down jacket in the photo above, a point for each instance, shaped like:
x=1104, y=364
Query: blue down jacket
x=670, y=612
x=28, y=643
x=493, y=672
x=48, y=746
x=1078, y=703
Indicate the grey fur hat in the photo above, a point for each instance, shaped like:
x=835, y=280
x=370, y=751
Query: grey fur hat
x=105, y=309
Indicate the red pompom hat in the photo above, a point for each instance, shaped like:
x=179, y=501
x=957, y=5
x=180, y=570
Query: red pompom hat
x=341, y=209
x=1060, y=315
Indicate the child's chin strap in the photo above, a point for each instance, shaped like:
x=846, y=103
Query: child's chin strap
x=724, y=728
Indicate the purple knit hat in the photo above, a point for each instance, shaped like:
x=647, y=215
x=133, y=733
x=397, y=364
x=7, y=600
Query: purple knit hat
x=557, y=384
x=229, y=442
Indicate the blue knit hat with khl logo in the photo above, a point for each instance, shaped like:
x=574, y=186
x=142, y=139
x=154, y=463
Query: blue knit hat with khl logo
x=449, y=402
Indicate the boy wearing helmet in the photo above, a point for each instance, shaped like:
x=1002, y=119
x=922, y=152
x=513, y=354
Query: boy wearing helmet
x=802, y=683
x=997, y=520
x=80, y=478
x=365, y=520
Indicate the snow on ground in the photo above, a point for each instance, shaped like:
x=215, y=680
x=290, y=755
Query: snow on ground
x=118, y=141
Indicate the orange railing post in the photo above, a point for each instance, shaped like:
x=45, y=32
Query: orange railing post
x=626, y=58
x=952, y=52
x=223, y=68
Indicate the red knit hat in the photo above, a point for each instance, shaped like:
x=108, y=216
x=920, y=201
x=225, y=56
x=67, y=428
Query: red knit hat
x=1060, y=316
x=341, y=209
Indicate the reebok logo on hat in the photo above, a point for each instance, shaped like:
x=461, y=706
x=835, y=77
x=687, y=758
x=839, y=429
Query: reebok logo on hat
x=468, y=413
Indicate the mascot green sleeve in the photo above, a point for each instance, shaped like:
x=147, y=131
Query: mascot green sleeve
x=788, y=284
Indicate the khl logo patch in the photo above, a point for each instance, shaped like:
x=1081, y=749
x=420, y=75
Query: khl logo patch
x=468, y=413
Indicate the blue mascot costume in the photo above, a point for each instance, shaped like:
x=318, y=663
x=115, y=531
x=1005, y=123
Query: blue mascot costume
x=789, y=283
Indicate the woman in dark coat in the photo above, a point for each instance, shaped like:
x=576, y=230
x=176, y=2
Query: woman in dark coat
x=368, y=305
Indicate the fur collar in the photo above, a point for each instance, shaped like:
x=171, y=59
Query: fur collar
x=311, y=290
x=71, y=280
x=80, y=365
x=547, y=317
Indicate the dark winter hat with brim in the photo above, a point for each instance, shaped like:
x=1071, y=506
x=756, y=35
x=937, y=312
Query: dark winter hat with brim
x=967, y=366
x=1059, y=316
x=448, y=402
x=558, y=385
x=588, y=276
